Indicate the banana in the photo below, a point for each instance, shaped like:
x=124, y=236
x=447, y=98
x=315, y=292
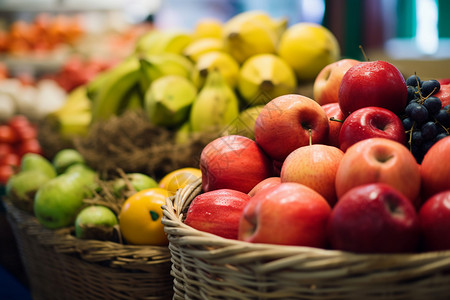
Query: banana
x=168, y=100
x=252, y=32
x=216, y=105
x=76, y=124
x=76, y=101
x=96, y=83
x=245, y=124
x=111, y=95
x=201, y=46
x=160, y=41
x=217, y=60
x=208, y=28
x=158, y=65
x=183, y=133
x=263, y=77
x=134, y=100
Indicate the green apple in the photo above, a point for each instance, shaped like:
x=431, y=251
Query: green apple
x=138, y=181
x=34, y=161
x=66, y=158
x=95, y=222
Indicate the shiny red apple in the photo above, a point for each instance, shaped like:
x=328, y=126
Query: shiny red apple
x=379, y=160
x=327, y=82
x=435, y=168
x=369, y=122
x=266, y=183
x=217, y=212
x=335, y=120
x=314, y=166
x=233, y=162
x=375, y=83
x=434, y=219
x=287, y=214
x=444, y=94
x=374, y=218
x=288, y=122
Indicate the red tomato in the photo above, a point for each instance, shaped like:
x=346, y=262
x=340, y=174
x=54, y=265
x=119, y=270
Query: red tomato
x=10, y=159
x=5, y=172
x=27, y=132
x=5, y=149
x=29, y=146
x=7, y=134
x=18, y=121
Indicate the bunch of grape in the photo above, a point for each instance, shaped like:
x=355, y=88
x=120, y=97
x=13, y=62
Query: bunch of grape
x=425, y=120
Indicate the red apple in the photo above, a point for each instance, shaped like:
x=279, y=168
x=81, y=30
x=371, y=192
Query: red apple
x=287, y=214
x=266, y=183
x=334, y=111
x=233, y=162
x=375, y=83
x=327, y=82
x=444, y=94
x=314, y=166
x=374, y=218
x=369, y=122
x=435, y=169
x=434, y=220
x=444, y=81
x=288, y=122
x=379, y=160
x=217, y=212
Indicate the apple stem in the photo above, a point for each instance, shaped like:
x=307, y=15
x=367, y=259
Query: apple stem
x=310, y=136
x=337, y=120
x=364, y=53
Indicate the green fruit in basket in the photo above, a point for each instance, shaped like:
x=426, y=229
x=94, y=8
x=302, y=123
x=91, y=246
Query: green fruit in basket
x=58, y=201
x=95, y=222
x=138, y=182
x=168, y=100
x=22, y=187
x=264, y=77
x=218, y=60
x=216, y=105
x=183, y=133
x=245, y=124
x=33, y=161
x=65, y=158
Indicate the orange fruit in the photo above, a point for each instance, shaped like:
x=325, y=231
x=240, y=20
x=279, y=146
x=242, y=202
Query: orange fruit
x=140, y=217
x=179, y=179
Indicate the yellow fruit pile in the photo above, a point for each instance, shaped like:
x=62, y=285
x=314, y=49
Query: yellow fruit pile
x=204, y=79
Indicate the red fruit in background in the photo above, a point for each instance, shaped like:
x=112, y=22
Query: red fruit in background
x=7, y=135
x=435, y=169
x=334, y=111
x=374, y=218
x=287, y=214
x=379, y=160
x=26, y=132
x=314, y=166
x=233, y=162
x=18, y=121
x=29, y=146
x=444, y=94
x=10, y=159
x=288, y=122
x=434, y=219
x=266, y=183
x=5, y=149
x=370, y=122
x=217, y=212
x=6, y=171
x=375, y=83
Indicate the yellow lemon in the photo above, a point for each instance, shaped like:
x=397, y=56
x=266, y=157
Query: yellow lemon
x=179, y=179
x=140, y=218
x=308, y=48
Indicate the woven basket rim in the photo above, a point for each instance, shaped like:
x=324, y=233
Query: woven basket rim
x=62, y=241
x=174, y=226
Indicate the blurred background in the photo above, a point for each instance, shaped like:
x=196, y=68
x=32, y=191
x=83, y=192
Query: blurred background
x=42, y=37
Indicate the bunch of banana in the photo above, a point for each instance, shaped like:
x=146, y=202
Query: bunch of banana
x=168, y=100
x=216, y=105
x=215, y=60
x=201, y=46
x=159, y=65
x=74, y=117
x=252, y=32
x=114, y=94
x=263, y=77
x=159, y=41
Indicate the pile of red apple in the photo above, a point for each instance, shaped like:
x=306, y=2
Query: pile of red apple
x=308, y=180
x=18, y=136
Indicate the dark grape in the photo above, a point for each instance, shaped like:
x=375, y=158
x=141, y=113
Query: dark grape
x=412, y=105
x=426, y=146
x=433, y=104
x=407, y=123
x=430, y=87
x=412, y=80
x=417, y=138
x=411, y=93
x=443, y=117
x=429, y=130
x=419, y=113
x=440, y=136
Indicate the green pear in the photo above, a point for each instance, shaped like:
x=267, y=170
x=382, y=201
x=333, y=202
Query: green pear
x=33, y=161
x=95, y=222
x=65, y=158
x=138, y=181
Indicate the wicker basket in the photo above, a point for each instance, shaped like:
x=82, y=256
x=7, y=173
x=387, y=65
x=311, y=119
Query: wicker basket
x=206, y=266
x=60, y=266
